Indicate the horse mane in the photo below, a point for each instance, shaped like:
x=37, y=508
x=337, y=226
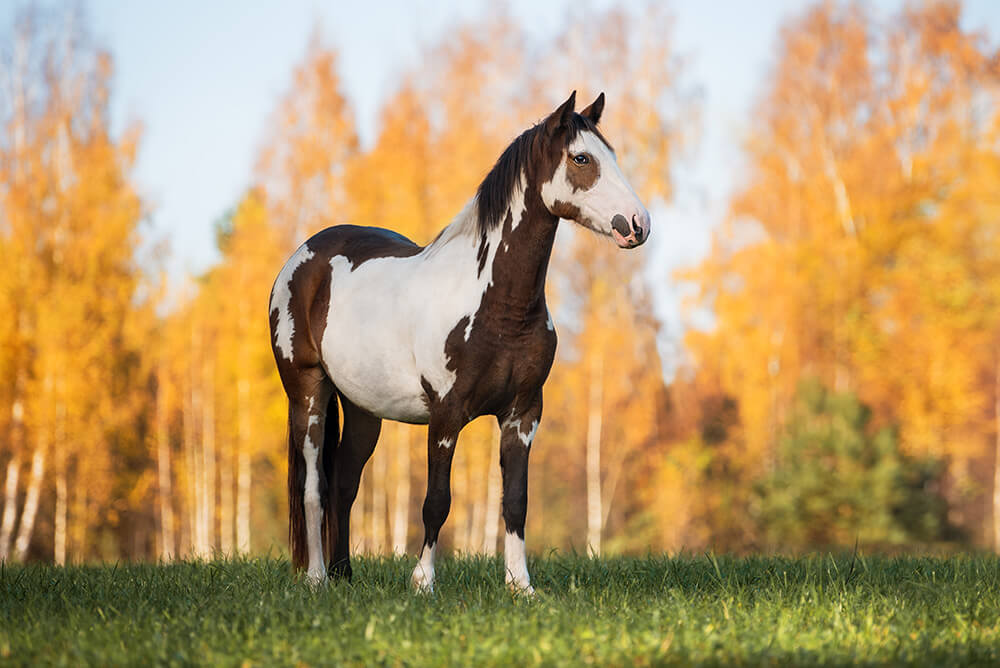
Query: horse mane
x=502, y=182
x=484, y=212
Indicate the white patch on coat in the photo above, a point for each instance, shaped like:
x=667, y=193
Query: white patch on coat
x=530, y=436
x=517, y=205
x=281, y=296
x=516, y=565
x=313, y=504
x=526, y=437
x=445, y=443
x=423, y=575
x=389, y=319
x=610, y=195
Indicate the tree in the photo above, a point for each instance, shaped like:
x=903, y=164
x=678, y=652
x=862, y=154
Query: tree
x=849, y=253
x=838, y=482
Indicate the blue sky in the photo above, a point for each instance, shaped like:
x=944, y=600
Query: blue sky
x=202, y=78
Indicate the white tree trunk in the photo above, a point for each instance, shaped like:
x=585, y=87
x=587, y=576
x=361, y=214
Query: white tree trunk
x=209, y=506
x=359, y=530
x=379, y=475
x=477, y=525
x=9, y=506
x=401, y=505
x=491, y=525
x=30, y=512
x=164, y=477
x=459, y=515
x=594, y=425
x=243, y=503
x=62, y=507
x=226, y=501
x=243, y=467
x=996, y=460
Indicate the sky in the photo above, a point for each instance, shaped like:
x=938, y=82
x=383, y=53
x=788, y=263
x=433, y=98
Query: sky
x=203, y=77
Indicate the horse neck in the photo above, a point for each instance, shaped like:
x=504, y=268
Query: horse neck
x=522, y=256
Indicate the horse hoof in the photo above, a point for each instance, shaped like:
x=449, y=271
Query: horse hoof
x=316, y=579
x=521, y=590
x=422, y=584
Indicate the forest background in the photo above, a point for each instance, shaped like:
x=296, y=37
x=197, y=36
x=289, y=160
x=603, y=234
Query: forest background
x=837, y=381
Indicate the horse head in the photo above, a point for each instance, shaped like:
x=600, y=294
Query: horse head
x=585, y=183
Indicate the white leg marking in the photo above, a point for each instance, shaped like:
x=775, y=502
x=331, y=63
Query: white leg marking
x=316, y=571
x=281, y=295
x=516, y=565
x=530, y=436
x=423, y=574
x=445, y=443
x=526, y=436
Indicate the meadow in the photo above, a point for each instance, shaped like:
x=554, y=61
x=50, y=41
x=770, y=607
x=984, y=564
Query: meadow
x=654, y=610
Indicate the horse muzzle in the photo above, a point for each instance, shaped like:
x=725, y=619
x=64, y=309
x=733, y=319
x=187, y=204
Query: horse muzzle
x=630, y=233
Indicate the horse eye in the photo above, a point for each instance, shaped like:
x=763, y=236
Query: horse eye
x=581, y=158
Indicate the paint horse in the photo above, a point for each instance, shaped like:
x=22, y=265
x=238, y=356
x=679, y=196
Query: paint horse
x=436, y=335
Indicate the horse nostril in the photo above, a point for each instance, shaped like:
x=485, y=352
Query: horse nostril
x=636, y=228
x=620, y=224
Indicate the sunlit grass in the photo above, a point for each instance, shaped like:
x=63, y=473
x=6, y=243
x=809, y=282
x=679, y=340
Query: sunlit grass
x=653, y=610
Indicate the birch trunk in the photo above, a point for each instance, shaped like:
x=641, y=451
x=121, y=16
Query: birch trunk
x=594, y=425
x=477, y=527
x=226, y=500
x=243, y=503
x=460, y=510
x=27, y=527
x=209, y=505
x=243, y=466
x=164, y=478
x=491, y=528
x=243, y=432
x=401, y=505
x=378, y=502
x=996, y=460
x=9, y=506
x=358, y=518
x=62, y=508
x=195, y=476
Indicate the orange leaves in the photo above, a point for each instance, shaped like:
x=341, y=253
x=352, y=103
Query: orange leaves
x=868, y=268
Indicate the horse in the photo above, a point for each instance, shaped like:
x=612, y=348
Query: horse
x=436, y=335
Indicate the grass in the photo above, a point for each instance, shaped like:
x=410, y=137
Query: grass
x=612, y=611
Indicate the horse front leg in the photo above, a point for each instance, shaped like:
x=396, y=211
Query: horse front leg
x=441, y=440
x=517, y=431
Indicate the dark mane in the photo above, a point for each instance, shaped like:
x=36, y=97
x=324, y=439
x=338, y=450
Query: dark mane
x=496, y=190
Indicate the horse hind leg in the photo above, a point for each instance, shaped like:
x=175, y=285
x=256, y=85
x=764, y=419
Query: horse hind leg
x=361, y=431
x=307, y=482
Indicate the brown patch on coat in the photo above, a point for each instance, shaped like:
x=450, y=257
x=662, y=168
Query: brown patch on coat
x=582, y=177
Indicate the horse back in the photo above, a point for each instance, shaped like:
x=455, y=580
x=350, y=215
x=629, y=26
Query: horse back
x=301, y=293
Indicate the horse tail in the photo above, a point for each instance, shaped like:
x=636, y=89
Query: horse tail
x=296, y=501
x=331, y=438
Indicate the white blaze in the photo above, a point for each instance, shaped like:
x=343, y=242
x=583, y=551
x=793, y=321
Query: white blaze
x=610, y=195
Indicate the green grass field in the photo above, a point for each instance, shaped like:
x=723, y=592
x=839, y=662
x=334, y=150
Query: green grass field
x=612, y=611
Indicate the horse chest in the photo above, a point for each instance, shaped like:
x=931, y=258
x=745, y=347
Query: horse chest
x=503, y=359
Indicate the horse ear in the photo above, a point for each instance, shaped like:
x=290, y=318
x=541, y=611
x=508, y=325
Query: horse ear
x=560, y=117
x=593, y=112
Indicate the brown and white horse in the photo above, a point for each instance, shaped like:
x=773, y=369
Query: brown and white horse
x=436, y=335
